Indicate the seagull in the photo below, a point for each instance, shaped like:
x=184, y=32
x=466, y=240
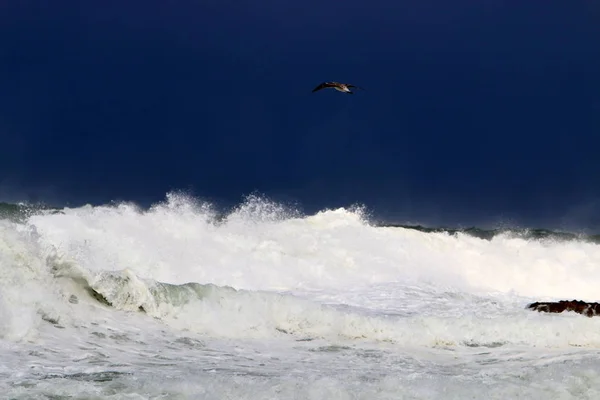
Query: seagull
x=340, y=87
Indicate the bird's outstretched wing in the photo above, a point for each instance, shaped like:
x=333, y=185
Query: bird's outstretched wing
x=357, y=87
x=324, y=85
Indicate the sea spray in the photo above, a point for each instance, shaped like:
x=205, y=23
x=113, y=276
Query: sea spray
x=177, y=300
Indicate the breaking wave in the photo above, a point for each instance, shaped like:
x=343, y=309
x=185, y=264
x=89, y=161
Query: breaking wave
x=264, y=271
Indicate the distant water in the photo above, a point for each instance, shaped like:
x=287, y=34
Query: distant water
x=179, y=301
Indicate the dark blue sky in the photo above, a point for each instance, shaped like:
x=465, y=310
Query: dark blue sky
x=475, y=111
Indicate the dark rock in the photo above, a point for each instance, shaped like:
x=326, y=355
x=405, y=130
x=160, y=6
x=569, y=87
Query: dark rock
x=578, y=306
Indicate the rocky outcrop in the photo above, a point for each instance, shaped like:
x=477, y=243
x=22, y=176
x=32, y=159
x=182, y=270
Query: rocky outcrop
x=578, y=306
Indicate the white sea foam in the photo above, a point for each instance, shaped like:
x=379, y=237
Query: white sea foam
x=179, y=242
x=325, y=305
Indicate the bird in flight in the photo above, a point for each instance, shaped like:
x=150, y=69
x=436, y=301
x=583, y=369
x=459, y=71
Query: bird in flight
x=340, y=87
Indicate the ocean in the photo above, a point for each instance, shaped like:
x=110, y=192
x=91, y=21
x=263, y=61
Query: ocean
x=179, y=301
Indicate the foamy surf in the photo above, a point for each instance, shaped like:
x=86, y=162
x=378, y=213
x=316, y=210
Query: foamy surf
x=180, y=242
x=265, y=302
